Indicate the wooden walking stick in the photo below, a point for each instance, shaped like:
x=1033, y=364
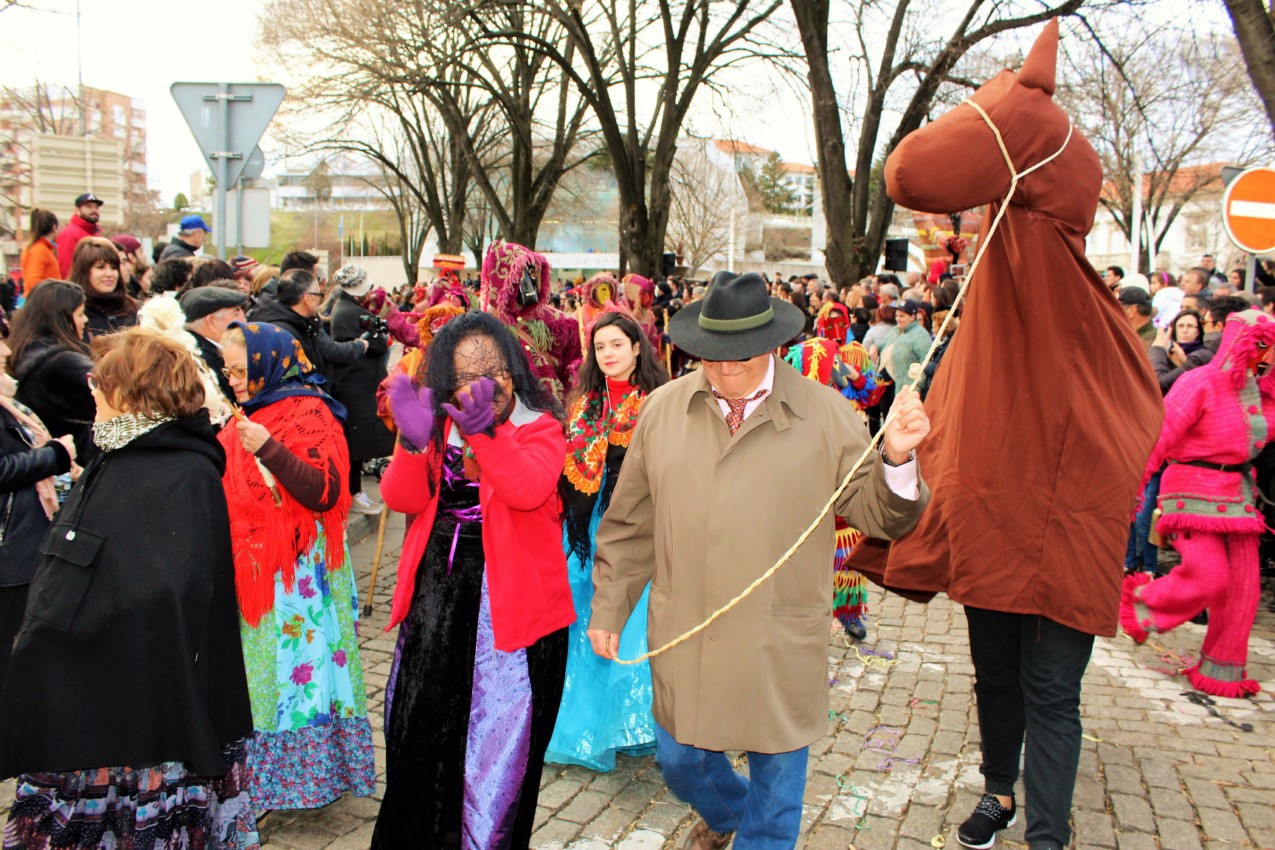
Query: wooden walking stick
x=376, y=561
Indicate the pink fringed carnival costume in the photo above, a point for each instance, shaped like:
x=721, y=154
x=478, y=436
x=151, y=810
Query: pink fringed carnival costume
x=515, y=289
x=639, y=292
x=1217, y=418
x=599, y=294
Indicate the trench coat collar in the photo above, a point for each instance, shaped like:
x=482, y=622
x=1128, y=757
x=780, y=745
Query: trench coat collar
x=787, y=395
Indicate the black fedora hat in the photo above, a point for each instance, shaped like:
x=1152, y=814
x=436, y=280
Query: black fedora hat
x=735, y=320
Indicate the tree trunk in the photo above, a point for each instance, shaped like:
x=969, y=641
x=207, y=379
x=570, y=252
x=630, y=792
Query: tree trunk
x=1255, y=30
x=840, y=255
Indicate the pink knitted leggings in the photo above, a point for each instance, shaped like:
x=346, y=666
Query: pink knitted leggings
x=1218, y=572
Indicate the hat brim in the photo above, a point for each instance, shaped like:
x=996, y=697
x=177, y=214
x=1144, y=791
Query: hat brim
x=686, y=333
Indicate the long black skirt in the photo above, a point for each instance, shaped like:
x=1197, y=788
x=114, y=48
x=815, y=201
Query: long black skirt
x=466, y=725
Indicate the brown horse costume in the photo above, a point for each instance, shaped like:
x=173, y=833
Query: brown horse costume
x=1046, y=407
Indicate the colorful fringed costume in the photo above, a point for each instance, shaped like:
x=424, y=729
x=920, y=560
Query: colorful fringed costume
x=820, y=360
x=550, y=339
x=597, y=295
x=1217, y=419
x=855, y=357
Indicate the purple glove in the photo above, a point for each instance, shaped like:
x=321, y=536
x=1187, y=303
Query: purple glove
x=413, y=411
x=475, y=415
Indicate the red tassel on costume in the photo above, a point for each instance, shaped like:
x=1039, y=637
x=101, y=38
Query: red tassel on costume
x=1128, y=615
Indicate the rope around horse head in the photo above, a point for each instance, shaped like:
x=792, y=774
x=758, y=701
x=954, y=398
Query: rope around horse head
x=914, y=373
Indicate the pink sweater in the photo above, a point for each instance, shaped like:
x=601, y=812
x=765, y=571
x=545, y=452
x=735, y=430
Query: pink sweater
x=1219, y=413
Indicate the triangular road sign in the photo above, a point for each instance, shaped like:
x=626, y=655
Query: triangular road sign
x=250, y=107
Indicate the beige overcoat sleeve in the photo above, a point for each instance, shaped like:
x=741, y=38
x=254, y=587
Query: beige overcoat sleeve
x=625, y=556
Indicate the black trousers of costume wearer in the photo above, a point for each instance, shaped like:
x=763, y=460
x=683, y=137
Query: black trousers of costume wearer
x=1027, y=672
x=355, y=483
x=13, y=607
x=1264, y=470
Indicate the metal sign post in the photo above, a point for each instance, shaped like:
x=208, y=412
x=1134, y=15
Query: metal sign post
x=251, y=171
x=227, y=134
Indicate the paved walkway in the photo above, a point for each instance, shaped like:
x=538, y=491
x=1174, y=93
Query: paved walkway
x=899, y=766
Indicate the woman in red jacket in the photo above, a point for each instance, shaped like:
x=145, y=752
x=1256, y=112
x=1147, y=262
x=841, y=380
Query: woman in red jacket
x=482, y=598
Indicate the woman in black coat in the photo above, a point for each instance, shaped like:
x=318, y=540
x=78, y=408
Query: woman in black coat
x=354, y=385
x=51, y=362
x=28, y=459
x=126, y=702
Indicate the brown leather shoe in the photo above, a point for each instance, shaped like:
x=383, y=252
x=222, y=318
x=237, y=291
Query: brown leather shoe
x=703, y=838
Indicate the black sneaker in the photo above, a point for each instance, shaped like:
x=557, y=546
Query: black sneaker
x=856, y=630
x=990, y=817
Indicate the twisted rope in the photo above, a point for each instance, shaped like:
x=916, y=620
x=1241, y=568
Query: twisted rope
x=915, y=373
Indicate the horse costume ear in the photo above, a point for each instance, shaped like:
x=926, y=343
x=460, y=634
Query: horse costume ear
x=1040, y=68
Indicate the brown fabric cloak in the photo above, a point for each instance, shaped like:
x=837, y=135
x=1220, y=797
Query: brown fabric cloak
x=1045, y=408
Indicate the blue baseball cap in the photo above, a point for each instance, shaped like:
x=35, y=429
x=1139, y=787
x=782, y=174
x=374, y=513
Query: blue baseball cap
x=195, y=222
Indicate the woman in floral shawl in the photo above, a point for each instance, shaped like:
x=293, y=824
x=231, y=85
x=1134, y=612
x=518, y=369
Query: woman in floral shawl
x=285, y=484
x=605, y=707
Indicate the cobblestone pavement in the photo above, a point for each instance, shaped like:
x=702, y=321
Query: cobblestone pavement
x=899, y=766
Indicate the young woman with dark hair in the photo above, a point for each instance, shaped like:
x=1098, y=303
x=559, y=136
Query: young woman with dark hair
x=51, y=362
x=482, y=598
x=96, y=268
x=605, y=709
x=40, y=257
x=29, y=458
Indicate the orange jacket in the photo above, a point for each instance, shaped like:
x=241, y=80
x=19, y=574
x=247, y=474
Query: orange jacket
x=39, y=263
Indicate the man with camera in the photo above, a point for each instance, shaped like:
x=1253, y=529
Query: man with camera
x=356, y=317
x=296, y=310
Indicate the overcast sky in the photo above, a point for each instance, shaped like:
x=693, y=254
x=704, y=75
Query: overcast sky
x=141, y=47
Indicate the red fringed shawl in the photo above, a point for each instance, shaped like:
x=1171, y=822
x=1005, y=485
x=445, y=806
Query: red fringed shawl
x=269, y=536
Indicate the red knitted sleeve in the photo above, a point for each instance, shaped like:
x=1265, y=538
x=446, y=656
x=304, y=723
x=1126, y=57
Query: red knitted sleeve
x=405, y=485
x=522, y=463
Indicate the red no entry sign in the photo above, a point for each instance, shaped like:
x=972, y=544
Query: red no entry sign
x=1248, y=210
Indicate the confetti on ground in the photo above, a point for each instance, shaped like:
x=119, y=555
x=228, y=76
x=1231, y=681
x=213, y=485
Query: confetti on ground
x=1210, y=704
x=870, y=659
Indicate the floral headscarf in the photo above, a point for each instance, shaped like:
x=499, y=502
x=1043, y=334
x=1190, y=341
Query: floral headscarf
x=279, y=368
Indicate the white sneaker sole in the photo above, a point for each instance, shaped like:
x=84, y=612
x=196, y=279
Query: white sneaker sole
x=965, y=843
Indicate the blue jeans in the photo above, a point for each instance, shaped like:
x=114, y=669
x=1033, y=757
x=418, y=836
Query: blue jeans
x=764, y=810
x=1140, y=546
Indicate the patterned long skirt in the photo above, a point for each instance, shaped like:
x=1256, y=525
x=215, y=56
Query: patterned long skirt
x=163, y=807
x=313, y=740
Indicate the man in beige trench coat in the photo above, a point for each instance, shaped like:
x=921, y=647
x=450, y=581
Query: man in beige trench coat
x=725, y=470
